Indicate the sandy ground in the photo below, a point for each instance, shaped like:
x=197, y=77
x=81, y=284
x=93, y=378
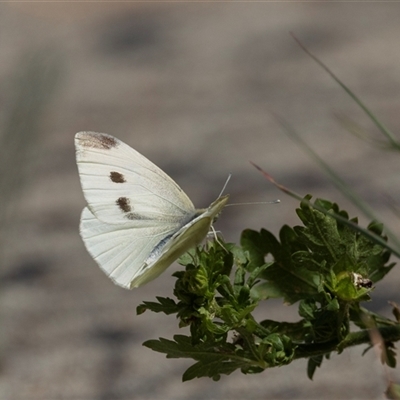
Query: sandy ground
x=193, y=86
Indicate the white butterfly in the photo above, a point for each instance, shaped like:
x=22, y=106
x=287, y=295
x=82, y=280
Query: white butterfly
x=138, y=220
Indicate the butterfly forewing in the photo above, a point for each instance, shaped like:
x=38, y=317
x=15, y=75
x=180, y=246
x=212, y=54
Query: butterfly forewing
x=122, y=185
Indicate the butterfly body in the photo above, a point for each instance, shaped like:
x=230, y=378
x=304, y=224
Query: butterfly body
x=138, y=220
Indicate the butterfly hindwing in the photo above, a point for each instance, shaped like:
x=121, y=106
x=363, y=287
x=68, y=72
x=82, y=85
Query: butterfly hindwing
x=120, y=251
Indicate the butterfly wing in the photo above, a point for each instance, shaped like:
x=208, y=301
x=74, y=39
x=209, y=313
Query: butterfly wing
x=188, y=236
x=122, y=185
x=138, y=220
x=133, y=256
x=121, y=250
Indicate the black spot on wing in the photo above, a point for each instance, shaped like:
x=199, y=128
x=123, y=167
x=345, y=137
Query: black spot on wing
x=116, y=177
x=124, y=204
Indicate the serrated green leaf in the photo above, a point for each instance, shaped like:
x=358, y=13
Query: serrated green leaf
x=285, y=277
x=258, y=245
x=211, y=362
x=165, y=305
x=296, y=282
x=211, y=368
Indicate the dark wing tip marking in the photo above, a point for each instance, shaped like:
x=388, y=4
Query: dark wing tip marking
x=124, y=204
x=116, y=177
x=96, y=140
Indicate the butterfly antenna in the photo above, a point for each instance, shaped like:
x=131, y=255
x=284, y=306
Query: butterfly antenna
x=225, y=185
x=254, y=203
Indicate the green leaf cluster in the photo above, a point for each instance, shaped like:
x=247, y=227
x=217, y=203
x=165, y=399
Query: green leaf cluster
x=224, y=335
x=325, y=266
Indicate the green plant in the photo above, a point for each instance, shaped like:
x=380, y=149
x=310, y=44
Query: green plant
x=325, y=266
x=328, y=267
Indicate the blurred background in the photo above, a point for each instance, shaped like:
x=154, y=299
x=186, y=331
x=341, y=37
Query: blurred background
x=194, y=87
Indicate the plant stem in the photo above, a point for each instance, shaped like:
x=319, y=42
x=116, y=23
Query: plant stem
x=388, y=333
